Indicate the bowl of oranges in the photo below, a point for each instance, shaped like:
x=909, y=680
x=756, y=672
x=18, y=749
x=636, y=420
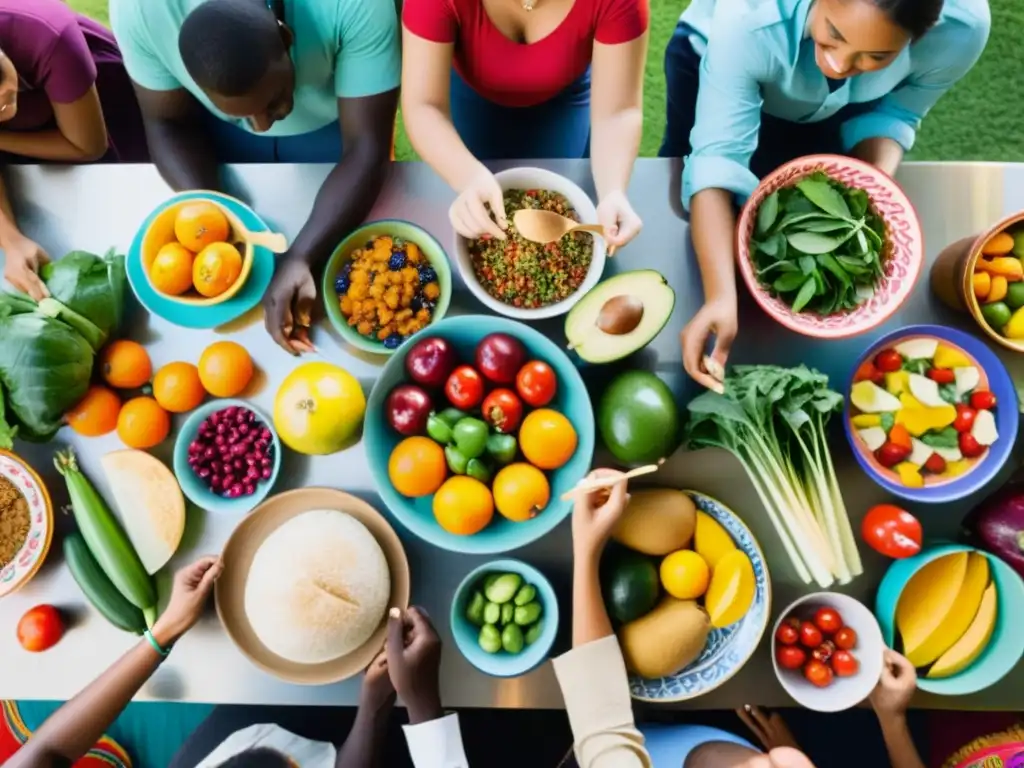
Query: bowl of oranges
x=475, y=430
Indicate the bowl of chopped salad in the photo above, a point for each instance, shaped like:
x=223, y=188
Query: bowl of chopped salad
x=518, y=278
x=388, y=280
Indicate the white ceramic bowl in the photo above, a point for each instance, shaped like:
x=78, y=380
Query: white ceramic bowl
x=844, y=692
x=537, y=178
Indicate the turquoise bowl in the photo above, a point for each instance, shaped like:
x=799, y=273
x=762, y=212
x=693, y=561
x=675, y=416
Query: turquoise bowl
x=1004, y=649
x=464, y=333
x=502, y=664
x=194, y=488
x=406, y=230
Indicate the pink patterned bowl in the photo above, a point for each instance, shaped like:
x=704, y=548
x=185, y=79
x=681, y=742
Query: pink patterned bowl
x=903, y=259
x=30, y=557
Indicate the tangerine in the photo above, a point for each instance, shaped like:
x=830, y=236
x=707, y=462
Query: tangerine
x=177, y=388
x=200, y=224
x=142, y=423
x=96, y=413
x=125, y=364
x=225, y=369
x=417, y=467
x=463, y=505
x=685, y=574
x=521, y=491
x=216, y=268
x=171, y=270
x=547, y=439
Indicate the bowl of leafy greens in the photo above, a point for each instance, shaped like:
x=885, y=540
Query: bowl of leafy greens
x=829, y=246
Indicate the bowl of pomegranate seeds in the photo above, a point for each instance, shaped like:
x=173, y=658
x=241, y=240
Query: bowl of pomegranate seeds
x=227, y=456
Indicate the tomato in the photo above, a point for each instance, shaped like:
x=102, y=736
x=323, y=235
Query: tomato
x=824, y=651
x=790, y=656
x=969, y=447
x=40, y=628
x=941, y=375
x=890, y=454
x=983, y=401
x=845, y=664
x=828, y=620
x=965, y=416
x=810, y=635
x=464, y=388
x=536, y=383
x=503, y=410
x=845, y=638
x=787, y=634
x=935, y=464
x=868, y=372
x=818, y=673
x=888, y=360
x=891, y=531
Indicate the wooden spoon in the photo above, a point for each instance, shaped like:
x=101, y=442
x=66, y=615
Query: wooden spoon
x=549, y=227
x=607, y=482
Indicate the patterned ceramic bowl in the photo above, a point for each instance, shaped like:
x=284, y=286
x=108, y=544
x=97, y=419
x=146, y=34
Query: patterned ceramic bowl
x=903, y=260
x=29, y=558
x=728, y=649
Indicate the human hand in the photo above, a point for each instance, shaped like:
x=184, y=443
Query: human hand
x=769, y=727
x=895, y=688
x=595, y=514
x=414, y=663
x=288, y=306
x=377, y=692
x=23, y=258
x=192, y=587
x=718, y=318
x=621, y=223
x=469, y=214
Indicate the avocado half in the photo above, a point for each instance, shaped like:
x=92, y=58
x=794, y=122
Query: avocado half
x=620, y=316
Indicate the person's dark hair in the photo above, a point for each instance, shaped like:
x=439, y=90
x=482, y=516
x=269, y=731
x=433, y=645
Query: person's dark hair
x=228, y=45
x=261, y=757
x=915, y=16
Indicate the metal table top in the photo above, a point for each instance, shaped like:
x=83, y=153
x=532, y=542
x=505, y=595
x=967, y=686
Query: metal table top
x=96, y=207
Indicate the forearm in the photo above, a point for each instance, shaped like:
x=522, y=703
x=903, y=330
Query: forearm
x=183, y=154
x=435, y=139
x=45, y=145
x=881, y=152
x=8, y=224
x=365, y=742
x=712, y=226
x=615, y=143
x=589, y=616
x=898, y=742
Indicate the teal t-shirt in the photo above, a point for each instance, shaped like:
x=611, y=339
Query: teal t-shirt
x=342, y=49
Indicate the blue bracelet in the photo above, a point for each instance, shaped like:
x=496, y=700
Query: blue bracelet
x=156, y=646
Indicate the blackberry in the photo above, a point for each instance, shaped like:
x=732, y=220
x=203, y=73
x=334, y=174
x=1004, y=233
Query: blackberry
x=427, y=274
x=341, y=283
x=346, y=268
x=416, y=304
x=393, y=341
x=397, y=261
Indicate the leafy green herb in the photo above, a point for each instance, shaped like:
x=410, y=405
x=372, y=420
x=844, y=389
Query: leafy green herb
x=944, y=438
x=888, y=422
x=948, y=393
x=919, y=366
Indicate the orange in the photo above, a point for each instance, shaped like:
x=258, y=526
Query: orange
x=171, y=270
x=142, y=423
x=216, y=269
x=225, y=369
x=125, y=364
x=463, y=506
x=177, y=388
x=200, y=224
x=547, y=439
x=96, y=413
x=521, y=491
x=685, y=575
x=417, y=467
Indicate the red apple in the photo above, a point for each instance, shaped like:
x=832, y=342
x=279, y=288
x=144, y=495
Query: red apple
x=408, y=408
x=431, y=361
x=499, y=357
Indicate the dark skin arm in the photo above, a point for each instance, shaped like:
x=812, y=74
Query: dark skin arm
x=365, y=742
x=344, y=200
x=180, y=148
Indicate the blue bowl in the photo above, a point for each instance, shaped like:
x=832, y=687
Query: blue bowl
x=1007, y=418
x=189, y=316
x=194, y=488
x=1006, y=646
x=502, y=535
x=502, y=664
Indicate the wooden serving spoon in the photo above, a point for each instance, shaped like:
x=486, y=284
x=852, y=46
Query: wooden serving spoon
x=607, y=482
x=549, y=227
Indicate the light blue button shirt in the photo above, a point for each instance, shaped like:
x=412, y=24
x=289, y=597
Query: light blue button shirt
x=758, y=57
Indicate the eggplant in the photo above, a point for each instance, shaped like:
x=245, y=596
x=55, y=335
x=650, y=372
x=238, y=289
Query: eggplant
x=996, y=525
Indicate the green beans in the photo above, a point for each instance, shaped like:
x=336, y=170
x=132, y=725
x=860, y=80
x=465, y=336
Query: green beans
x=508, y=612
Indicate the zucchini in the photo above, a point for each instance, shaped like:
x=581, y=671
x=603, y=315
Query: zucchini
x=98, y=589
x=106, y=539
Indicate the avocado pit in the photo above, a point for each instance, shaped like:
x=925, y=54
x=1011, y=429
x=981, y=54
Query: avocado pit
x=620, y=315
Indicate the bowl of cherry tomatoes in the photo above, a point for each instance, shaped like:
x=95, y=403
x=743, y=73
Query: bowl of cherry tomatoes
x=827, y=651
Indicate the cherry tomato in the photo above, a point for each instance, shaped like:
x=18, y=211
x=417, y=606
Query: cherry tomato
x=503, y=410
x=787, y=634
x=464, y=388
x=40, y=628
x=868, y=372
x=970, y=447
x=845, y=638
x=790, y=656
x=828, y=620
x=935, y=464
x=941, y=375
x=536, y=383
x=810, y=635
x=845, y=664
x=818, y=673
x=965, y=416
x=892, y=531
x=890, y=454
x=983, y=401
x=824, y=651
x=888, y=360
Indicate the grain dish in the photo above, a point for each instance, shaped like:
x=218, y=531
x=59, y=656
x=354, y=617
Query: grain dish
x=15, y=521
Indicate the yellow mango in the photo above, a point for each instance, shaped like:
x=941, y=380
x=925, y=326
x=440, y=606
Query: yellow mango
x=1009, y=267
x=957, y=468
x=982, y=283
x=999, y=288
x=998, y=244
x=864, y=420
x=950, y=357
x=907, y=400
x=958, y=620
x=1015, y=328
x=910, y=475
x=928, y=598
x=920, y=420
x=732, y=589
x=897, y=382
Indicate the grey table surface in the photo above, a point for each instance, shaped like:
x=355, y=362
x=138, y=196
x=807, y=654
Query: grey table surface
x=96, y=207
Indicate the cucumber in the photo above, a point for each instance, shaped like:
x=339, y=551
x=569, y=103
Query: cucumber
x=98, y=589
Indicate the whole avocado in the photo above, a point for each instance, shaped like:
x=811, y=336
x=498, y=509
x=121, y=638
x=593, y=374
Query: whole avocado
x=629, y=582
x=638, y=418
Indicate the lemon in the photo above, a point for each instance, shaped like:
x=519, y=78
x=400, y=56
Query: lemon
x=685, y=574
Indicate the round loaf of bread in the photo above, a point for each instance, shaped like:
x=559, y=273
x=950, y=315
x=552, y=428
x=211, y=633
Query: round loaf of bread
x=318, y=587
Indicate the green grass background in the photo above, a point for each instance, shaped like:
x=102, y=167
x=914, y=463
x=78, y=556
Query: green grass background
x=977, y=120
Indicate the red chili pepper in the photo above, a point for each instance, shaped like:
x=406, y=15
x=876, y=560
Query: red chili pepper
x=965, y=416
x=983, y=401
x=935, y=464
x=941, y=375
x=890, y=454
x=888, y=360
x=970, y=447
